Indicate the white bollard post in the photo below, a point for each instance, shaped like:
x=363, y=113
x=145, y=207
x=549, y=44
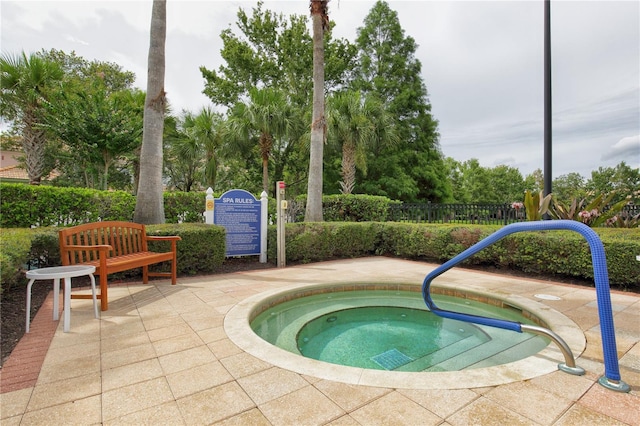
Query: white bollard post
x=209, y=206
x=281, y=203
x=264, y=213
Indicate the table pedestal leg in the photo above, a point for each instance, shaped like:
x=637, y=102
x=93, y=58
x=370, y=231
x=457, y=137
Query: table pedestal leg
x=29, y=304
x=67, y=304
x=93, y=293
x=56, y=298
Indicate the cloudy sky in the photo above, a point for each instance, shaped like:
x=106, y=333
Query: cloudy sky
x=482, y=63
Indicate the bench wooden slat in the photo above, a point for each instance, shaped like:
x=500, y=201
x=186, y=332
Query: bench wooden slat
x=131, y=261
x=115, y=247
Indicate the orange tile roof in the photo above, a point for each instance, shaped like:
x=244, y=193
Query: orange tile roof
x=18, y=173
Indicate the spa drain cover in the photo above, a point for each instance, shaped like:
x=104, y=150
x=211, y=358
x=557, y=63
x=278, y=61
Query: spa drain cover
x=391, y=359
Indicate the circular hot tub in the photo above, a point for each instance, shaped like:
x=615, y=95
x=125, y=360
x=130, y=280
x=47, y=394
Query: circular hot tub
x=383, y=335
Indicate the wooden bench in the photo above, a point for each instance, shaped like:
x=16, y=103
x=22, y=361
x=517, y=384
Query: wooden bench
x=114, y=247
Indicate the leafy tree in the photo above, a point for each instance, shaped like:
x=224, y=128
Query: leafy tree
x=507, y=184
x=253, y=59
x=261, y=56
x=472, y=183
x=569, y=186
x=149, y=201
x=454, y=176
x=476, y=182
x=26, y=82
x=92, y=110
x=97, y=127
x=535, y=181
x=621, y=179
x=413, y=170
x=9, y=141
x=76, y=68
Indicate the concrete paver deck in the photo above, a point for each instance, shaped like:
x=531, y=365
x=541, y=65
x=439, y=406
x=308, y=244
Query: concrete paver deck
x=163, y=354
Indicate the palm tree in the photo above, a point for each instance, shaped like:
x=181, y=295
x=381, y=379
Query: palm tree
x=183, y=154
x=149, y=200
x=193, y=150
x=26, y=83
x=320, y=21
x=207, y=127
x=355, y=124
x=268, y=115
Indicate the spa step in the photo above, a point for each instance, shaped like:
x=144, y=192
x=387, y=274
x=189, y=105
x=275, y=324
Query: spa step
x=482, y=353
x=462, y=345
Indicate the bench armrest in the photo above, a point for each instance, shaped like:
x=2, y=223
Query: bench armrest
x=173, y=238
x=163, y=238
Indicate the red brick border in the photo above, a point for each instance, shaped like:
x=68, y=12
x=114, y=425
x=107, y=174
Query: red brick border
x=22, y=368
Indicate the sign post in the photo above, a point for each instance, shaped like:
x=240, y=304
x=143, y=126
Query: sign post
x=264, y=210
x=209, y=206
x=281, y=207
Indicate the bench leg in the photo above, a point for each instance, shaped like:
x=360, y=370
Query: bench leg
x=104, y=301
x=174, y=263
x=145, y=274
x=174, y=271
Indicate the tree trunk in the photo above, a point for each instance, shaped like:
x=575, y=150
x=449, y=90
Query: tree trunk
x=33, y=143
x=266, y=144
x=313, y=212
x=106, y=159
x=348, y=168
x=149, y=199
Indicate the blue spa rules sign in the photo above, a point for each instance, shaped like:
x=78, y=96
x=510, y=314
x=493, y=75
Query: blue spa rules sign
x=238, y=211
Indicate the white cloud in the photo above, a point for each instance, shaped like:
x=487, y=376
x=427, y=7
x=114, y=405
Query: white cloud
x=625, y=149
x=75, y=40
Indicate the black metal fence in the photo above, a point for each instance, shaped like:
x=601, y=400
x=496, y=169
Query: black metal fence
x=631, y=210
x=487, y=214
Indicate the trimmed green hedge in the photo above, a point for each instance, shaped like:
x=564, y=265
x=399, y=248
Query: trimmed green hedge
x=202, y=248
x=26, y=206
x=355, y=208
x=349, y=208
x=562, y=253
x=317, y=241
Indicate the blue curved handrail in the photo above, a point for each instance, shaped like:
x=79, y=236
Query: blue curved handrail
x=601, y=278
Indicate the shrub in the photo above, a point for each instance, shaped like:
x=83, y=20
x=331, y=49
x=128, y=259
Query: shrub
x=313, y=242
x=14, y=255
x=355, y=208
x=202, y=249
x=180, y=207
x=348, y=208
x=595, y=213
x=27, y=206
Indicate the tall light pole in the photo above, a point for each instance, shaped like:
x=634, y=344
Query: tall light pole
x=547, y=97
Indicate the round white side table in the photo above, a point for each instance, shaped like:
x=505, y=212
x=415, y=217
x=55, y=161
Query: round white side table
x=66, y=273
